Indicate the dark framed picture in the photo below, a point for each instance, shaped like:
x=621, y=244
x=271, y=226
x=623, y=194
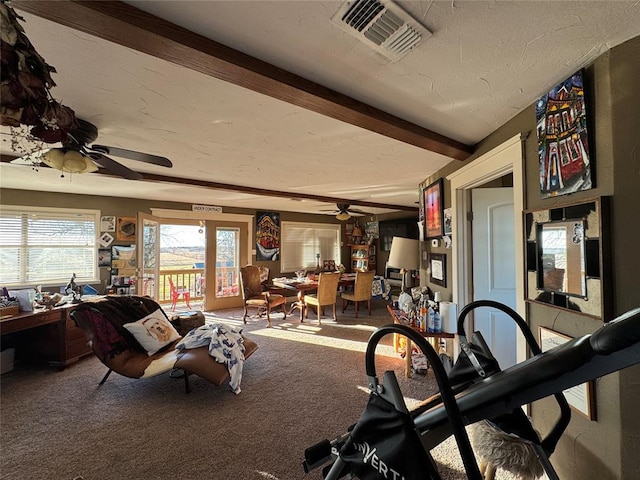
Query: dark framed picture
x=104, y=257
x=433, y=210
x=438, y=269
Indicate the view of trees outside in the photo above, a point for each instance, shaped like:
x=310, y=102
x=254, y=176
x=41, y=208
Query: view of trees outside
x=181, y=246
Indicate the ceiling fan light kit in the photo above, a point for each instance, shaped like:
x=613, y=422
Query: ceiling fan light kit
x=52, y=122
x=69, y=161
x=343, y=216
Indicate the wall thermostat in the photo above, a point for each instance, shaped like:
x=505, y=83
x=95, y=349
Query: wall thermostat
x=435, y=242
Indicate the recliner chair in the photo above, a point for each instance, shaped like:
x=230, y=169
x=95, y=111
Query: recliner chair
x=103, y=321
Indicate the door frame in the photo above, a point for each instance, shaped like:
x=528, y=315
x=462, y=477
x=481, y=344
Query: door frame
x=503, y=159
x=234, y=219
x=215, y=216
x=140, y=247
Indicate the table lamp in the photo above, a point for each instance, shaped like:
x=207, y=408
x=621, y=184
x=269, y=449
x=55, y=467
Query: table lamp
x=404, y=255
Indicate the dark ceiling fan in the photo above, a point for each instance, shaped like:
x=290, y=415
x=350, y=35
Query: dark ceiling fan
x=76, y=156
x=344, y=212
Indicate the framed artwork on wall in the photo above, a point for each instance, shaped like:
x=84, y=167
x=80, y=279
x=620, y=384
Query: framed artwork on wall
x=104, y=257
x=581, y=397
x=433, y=210
x=448, y=228
x=267, y=236
x=438, y=269
x=126, y=229
x=563, y=139
x=108, y=223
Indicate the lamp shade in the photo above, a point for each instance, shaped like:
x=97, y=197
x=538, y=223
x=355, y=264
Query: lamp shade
x=404, y=253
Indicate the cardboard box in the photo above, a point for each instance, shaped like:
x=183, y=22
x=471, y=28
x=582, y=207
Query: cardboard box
x=6, y=360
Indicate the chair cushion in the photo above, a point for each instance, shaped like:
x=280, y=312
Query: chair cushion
x=133, y=364
x=261, y=301
x=153, y=331
x=199, y=362
x=351, y=297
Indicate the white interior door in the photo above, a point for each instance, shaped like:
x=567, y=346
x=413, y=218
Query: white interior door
x=494, y=272
x=148, y=270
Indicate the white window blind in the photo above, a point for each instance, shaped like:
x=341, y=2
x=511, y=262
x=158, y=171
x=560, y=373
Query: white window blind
x=301, y=242
x=46, y=246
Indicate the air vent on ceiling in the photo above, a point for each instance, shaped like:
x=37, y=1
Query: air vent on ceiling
x=382, y=25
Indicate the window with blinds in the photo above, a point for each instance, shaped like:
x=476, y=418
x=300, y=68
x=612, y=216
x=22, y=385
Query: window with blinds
x=302, y=242
x=47, y=246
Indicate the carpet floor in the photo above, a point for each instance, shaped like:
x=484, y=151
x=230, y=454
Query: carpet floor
x=305, y=383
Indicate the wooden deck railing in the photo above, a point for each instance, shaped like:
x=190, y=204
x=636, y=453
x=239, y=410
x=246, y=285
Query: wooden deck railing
x=192, y=279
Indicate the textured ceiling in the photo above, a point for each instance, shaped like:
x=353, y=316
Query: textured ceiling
x=485, y=62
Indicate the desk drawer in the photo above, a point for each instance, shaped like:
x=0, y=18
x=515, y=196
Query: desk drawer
x=73, y=332
x=24, y=321
x=77, y=348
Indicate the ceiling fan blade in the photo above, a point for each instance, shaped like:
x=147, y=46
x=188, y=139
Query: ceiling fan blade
x=114, y=166
x=24, y=159
x=132, y=155
x=359, y=212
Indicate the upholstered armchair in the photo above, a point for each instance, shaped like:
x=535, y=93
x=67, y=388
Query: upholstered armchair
x=255, y=295
x=361, y=291
x=326, y=295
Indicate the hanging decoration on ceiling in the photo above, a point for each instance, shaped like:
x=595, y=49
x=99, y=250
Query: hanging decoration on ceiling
x=26, y=103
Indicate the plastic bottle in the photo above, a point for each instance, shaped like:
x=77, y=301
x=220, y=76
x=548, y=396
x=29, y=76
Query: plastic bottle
x=437, y=321
x=431, y=325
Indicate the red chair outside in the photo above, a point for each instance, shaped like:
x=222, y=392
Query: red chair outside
x=176, y=293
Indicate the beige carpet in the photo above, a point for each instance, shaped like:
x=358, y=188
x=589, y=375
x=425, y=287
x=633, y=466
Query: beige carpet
x=304, y=384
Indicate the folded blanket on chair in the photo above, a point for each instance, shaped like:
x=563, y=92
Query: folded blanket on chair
x=225, y=346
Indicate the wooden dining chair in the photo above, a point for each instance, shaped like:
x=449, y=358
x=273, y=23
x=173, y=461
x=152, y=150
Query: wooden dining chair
x=361, y=291
x=255, y=295
x=327, y=294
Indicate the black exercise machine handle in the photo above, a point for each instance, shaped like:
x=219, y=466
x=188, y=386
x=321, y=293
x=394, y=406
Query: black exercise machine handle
x=446, y=393
x=551, y=440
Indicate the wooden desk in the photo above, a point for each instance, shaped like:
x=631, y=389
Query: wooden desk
x=46, y=335
x=398, y=317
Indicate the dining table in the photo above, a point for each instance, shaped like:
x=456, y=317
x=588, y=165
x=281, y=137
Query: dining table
x=303, y=285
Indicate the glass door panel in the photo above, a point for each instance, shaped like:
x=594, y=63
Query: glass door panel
x=227, y=262
x=227, y=243
x=148, y=270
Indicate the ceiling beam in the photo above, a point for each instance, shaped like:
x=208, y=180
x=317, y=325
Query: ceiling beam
x=128, y=26
x=150, y=177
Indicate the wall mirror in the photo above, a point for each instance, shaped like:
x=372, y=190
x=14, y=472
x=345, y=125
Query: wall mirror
x=565, y=248
x=562, y=257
